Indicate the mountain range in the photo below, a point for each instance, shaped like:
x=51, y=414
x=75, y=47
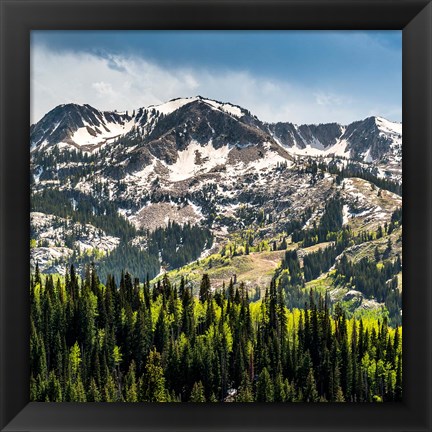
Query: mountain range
x=179, y=122
x=166, y=185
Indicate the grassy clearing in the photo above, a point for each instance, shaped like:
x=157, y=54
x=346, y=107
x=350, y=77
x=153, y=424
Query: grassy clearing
x=322, y=284
x=255, y=270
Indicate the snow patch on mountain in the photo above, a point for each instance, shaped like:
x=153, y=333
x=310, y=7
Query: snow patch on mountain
x=367, y=156
x=197, y=159
x=226, y=107
x=270, y=160
x=316, y=148
x=42, y=145
x=345, y=214
x=38, y=174
x=88, y=135
x=172, y=105
x=388, y=127
x=393, y=131
x=339, y=149
x=141, y=177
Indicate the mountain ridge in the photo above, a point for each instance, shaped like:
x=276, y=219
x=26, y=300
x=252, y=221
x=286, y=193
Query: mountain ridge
x=95, y=128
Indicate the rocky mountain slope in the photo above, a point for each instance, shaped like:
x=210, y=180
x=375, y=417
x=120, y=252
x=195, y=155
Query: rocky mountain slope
x=160, y=187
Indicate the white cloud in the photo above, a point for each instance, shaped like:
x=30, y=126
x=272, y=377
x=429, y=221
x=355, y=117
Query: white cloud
x=330, y=99
x=110, y=82
x=103, y=88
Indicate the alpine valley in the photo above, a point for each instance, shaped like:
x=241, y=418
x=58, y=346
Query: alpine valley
x=191, y=252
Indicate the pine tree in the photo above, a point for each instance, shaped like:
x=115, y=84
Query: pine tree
x=161, y=332
x=245, y=393
x=265, y=389
x=204, y=293
x=142, y=339
x=154, y=379
x=74, y=361
x=197, y=394
x=398, y=388
x=54, y=391
x=93, y=394
x=131, y=392
x=110, y=390
x=310, y=392
x=280, y=394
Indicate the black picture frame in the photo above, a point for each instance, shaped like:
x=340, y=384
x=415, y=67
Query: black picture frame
x=19, y=17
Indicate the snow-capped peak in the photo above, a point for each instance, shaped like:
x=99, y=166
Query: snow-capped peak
x=234, y=110
x=175, y=104
x=172, y=105
x=387, y=126
x=81, y=126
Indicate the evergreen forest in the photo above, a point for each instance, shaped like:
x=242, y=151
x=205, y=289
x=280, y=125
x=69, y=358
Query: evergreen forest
x=140, y=342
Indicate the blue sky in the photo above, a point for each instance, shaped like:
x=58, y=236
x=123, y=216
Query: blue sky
x=298, y=76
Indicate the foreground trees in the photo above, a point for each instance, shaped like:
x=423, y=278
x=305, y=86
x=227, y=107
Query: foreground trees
x=94, y=342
